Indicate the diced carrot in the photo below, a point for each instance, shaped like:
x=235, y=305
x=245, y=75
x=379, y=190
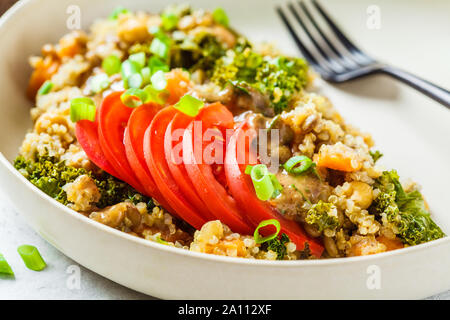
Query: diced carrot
x=391, y=244
x=69, y=46
x=178, y=84
x=44, y=69
x=338, y=157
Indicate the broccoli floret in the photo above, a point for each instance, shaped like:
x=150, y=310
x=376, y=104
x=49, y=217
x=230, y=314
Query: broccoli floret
x=278, y=246
x=277, y=78
x=50, y=175
x=320, y=215
x=200, y=52
x=404, y=211
x=376, y=155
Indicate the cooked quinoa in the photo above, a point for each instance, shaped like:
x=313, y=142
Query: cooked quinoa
x=343, y=201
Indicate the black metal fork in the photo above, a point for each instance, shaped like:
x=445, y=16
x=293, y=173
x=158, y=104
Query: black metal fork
x=337, y=65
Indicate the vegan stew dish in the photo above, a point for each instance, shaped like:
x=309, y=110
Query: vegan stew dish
x=174, y=128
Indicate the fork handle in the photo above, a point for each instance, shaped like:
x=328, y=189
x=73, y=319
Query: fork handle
x=431, y=90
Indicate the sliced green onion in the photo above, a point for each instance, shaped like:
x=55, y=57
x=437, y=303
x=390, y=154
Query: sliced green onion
x=5, y=267
x=160, y=48
x=32, y=258
x=111, y=65
x=276, y=184
x=139, y=58
x=45, y=88
x=82, y=109
x=156, y=32
x=271, y=222
x=117, y=11
x=254, y=60
x=220, y=17
x=189, y=105
x=262, y=182
x=159, y=240
x=298, y=164
x=134, y=97
x=156, y=64
x=146, y=75
x=130, y=67
x=135, y=81
x=169, y=21
x=157, y=96
x=100, y=82
x=159, y=81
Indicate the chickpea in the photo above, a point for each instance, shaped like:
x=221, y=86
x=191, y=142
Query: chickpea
x=133, y=28
x=361, y=194
x=330, y=246
x=114, y=216
x=312, y=231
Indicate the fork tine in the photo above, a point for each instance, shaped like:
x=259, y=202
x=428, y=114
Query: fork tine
x=312, y=61
x=332, y=62
x=357, y=53
x=345, y=60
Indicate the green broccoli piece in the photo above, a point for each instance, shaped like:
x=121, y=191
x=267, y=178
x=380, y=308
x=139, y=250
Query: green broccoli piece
x=277, y=78
x=278, y=246
x=50, y=175
x=201, y=52
x=319, y=216
x=376, y=155
x=405, y=211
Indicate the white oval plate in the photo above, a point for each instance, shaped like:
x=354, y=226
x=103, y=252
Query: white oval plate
x=411, y=130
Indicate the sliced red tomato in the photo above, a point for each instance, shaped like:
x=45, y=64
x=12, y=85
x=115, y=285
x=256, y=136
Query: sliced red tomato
x=157, y=165
x=113, y=117
x=175, y=162
x=241, y=188
x=139, y=121
x=87, y=135
x=210, y=190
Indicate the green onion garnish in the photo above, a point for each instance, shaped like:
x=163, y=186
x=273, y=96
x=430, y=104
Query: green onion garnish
x=100, y=82
x=159, y=240
x=45, y=88
x=111, y=65
x=129, y=67
x=82, y=109
x=5, y=267
x=265, y=223
x=159, y=81
x=139, y=58
x=262, y=182
x=169, y=21
x=117, y=11
x=32, y=258
x=220, y=17
x=155, y=64
x=157, y=96
x=134, y=97
x=160, y=48
x=146, y=75
x=189, y=105
x=135, y=81
x=298, y=164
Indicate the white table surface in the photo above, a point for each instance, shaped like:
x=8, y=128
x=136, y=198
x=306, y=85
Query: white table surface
x=51, y=283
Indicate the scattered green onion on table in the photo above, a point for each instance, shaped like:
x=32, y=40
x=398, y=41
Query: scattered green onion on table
x=31, y=257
